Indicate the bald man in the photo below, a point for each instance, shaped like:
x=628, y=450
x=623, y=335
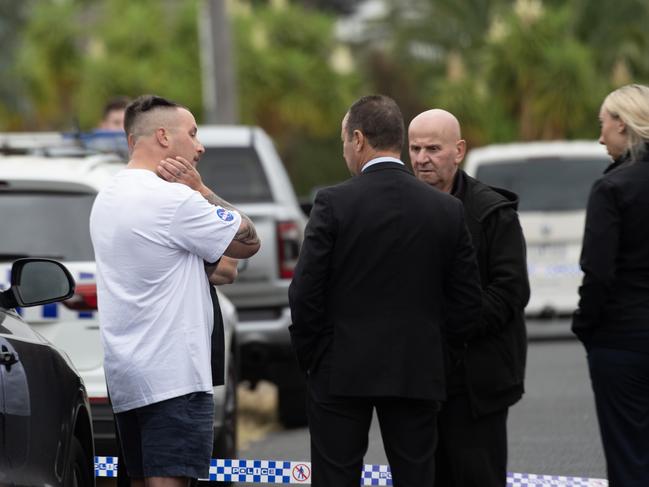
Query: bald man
x=485, y=375
x=154, y=227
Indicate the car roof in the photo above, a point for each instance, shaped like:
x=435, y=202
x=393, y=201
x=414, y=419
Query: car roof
x=41, y=172
x=226, y=135
x=531, y=150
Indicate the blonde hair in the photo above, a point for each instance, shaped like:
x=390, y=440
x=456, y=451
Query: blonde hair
x=631, y=105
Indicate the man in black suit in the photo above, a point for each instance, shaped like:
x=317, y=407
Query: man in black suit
x=386, y=268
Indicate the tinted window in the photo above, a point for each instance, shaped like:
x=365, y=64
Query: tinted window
x=45, y=224
x=546, y=184
x=235, y=174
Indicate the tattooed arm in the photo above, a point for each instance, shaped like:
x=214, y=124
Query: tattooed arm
x=247, y=234
x=245, y=243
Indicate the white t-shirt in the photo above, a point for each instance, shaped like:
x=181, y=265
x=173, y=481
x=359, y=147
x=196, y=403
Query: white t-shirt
x=151, y=239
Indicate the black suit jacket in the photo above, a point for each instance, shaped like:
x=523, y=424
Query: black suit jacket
x=386, y=267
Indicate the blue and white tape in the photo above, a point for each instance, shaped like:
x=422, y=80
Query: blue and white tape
x=286, y=472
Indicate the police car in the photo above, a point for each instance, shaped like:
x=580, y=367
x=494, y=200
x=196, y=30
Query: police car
x=45, y=429
x=47, y=187
x=552, y=180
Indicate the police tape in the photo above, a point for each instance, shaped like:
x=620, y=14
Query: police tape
x=285, y=472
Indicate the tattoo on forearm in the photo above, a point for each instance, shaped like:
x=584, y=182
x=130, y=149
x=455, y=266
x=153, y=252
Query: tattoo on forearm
x=218, y=201
x=247, y=234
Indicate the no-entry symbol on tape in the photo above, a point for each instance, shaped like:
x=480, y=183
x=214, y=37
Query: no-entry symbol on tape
x=301, y=472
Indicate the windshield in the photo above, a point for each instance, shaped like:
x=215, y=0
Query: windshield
x=546, y=184
x=45, y=224
x=235, y=174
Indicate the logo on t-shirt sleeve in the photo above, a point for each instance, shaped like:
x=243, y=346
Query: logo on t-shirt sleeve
x=225, y=215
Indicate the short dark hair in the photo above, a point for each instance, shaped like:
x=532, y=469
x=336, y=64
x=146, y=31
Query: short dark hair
x=143, y=104
x=379, y=119
x=116, y=103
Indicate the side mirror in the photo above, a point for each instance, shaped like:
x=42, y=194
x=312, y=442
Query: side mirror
x=37, y=281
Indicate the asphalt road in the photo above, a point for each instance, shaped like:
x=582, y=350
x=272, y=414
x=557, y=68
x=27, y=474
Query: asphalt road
x=552, y=431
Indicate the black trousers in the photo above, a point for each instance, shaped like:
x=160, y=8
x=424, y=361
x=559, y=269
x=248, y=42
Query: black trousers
x=471, y=452
x=339, y=427
x=620, y=381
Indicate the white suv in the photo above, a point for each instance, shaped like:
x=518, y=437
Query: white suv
x=46, y=198
x=552, y=180
x=241, y=165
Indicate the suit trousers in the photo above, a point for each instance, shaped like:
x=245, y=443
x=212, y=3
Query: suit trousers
x=620, y=381
x=471, y=452
x=339, y=427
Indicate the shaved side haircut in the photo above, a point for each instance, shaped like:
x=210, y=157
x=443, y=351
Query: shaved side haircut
x=146, y=113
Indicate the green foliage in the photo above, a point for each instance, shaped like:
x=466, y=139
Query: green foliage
x=49, y=60
x=288, y=86
x=75, y=54
x=12, y=20
x=544, y=77
x=509, y=69
x=132, y=48
x=516, y=69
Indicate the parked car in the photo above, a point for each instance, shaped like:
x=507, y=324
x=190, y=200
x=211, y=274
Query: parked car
x=552, y=180
x=241, y=165
x=45, y=428
x=47, y=194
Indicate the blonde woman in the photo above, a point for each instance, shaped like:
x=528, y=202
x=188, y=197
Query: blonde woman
x=612, y=320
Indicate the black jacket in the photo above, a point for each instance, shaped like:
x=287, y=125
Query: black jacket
x=386, y=267
x=493, y=362
x=614, y=296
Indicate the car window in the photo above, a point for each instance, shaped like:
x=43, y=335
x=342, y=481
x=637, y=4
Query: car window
x=235, y=174
x=546, y=184
x=46, y=224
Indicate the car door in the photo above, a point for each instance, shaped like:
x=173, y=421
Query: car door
x=35, y=406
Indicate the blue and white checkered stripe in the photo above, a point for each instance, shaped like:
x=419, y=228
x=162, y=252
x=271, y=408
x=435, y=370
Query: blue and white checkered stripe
x=285, y=472
x=529, y=479
x=256, y=471
x=105, y=466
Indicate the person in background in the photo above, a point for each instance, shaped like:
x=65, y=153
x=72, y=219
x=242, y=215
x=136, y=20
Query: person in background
x=113, y=114
x=373, y=291
x=486, y=371
x=612, y=319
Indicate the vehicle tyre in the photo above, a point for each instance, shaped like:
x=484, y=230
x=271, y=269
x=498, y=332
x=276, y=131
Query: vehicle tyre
x=76, y=471
x=291, y=405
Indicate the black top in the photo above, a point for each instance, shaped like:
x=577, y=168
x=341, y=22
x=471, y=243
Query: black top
x=491, y=365
x=614, y=297
x=386, y=267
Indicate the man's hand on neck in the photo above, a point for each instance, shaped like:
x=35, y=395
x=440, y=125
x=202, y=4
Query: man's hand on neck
x=179, y=170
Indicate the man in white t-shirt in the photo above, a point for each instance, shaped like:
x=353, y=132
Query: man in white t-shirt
x=158, y=233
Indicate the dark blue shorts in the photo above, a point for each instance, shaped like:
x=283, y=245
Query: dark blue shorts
x=171, y=438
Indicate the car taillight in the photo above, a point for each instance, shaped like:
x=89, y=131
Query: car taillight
x=288, y=248
x=98, y=400
x=84, y=298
